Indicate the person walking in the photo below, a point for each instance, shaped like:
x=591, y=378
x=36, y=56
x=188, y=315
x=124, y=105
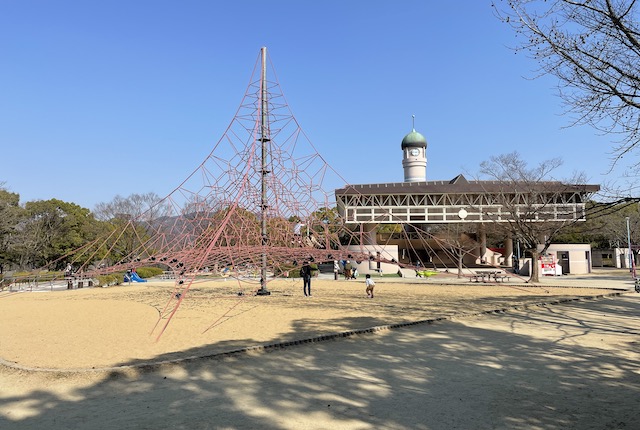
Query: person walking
x=305, y=272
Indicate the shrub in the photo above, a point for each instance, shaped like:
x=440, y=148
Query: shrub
x=149, y=272
x=314, y=269
x=294, y=272
x=112, y=279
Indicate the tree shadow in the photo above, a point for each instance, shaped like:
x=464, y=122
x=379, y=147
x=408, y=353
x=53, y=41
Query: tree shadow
x=520, y=370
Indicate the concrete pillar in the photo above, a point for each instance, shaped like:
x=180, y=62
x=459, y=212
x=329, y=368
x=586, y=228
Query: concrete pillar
x=369, y=233
x=508, y=252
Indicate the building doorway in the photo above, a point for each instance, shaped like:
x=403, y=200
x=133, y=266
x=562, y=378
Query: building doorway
x=563, y=261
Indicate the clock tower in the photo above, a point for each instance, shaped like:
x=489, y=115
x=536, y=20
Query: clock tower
x=414, y=157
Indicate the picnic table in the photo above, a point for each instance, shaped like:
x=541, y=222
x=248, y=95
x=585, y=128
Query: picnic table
x=487, y=275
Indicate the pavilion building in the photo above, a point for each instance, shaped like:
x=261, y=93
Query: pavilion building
x=417, y=204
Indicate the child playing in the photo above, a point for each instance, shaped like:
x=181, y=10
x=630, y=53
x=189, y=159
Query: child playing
x=370, y=284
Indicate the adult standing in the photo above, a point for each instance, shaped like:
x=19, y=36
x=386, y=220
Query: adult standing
x=305, y=272
x=347, y=270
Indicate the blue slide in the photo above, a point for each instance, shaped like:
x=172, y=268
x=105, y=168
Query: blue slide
x=134, y=277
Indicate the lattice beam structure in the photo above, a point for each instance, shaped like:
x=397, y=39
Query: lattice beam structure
x=462, y=201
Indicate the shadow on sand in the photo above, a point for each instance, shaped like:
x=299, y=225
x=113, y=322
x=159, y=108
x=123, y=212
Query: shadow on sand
x=570, y=366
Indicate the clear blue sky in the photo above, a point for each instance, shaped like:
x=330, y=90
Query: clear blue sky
x=100, y=98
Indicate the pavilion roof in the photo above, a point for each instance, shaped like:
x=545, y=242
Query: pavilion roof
x=460, y=185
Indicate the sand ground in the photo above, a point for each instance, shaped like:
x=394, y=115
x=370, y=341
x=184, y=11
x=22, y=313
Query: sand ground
x=84, y=358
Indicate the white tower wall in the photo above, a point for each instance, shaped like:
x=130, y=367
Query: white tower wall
x=414, y=157
x=415, y=166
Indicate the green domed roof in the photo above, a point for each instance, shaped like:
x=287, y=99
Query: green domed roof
x=414, y=140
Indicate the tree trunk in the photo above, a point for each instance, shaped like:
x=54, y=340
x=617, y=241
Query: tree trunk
x=535, y=273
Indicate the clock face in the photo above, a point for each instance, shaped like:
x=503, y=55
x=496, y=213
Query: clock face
x=414, y=152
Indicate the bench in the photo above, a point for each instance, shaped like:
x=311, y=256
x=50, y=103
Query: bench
x=168, y=275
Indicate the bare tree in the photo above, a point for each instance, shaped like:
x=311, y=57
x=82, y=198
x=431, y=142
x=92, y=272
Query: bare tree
x=612, y=225
x=140, y=207
x=532, y=207
x=593, y=48
x=458, y=245
x=606, y=226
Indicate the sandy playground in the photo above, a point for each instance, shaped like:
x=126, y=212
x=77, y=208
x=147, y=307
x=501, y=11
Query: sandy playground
x=56, y=346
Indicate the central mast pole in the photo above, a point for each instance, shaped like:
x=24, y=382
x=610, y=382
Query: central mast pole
x=264, y=138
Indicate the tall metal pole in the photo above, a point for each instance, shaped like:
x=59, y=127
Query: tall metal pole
x=264, y=138
x=631, y=265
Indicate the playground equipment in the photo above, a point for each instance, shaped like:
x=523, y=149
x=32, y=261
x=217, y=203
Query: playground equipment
x=261, y=202
x=133, y=277
x=426, y=273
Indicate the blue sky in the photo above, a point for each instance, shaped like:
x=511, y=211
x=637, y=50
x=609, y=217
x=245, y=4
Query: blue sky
x=106, y=98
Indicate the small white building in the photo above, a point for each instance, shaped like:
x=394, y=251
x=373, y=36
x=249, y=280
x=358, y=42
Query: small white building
x=572, y=258
x=561, y=259
x=615, y=257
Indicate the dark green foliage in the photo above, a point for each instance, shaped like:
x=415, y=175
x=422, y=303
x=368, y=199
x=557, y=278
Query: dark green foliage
x=606, y=225
x=51, y=229
x=10, y=216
